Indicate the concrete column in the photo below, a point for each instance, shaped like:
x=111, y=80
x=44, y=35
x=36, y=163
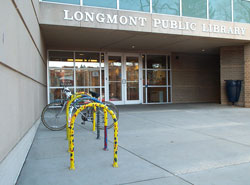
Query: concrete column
x=247, y=74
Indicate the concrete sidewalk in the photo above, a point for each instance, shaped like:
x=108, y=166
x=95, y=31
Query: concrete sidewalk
x=201, y=144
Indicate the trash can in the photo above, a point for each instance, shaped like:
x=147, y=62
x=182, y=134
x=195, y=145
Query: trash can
x=233, y=88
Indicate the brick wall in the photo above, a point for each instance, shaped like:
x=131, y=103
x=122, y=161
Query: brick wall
x=247, y=75
x=231, y=68
x=195, y=78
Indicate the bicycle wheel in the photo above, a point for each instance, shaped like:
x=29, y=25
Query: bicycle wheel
x=54, y=116
x=112, y=107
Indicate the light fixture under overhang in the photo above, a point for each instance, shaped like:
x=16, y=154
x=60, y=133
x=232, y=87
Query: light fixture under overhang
x=203, y=50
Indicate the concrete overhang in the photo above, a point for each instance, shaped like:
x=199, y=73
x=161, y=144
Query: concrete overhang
x=63, y=28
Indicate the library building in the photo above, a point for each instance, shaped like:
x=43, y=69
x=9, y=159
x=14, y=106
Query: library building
x=146, y=51
x=128, y=51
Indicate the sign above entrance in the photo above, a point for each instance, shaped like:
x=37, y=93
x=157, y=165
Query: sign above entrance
x=156, y=23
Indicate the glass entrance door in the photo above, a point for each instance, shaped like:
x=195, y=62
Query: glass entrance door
x=123, y=78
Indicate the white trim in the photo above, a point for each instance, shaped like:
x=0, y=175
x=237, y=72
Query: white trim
x=48, y=78
x=117, y=5
x=180, y=7
x=208, y=16
x=151, y=6
x=232, y=6
x=11, y=166
x=81, y=2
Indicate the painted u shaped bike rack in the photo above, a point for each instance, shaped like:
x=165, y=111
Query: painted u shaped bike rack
x=106, y=111
x=69, y=113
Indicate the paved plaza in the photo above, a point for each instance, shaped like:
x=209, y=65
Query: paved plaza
x=178, y=144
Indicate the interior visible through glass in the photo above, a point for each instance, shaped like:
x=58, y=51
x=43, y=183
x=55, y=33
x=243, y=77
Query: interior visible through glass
x=132, y=74
x=115, y=76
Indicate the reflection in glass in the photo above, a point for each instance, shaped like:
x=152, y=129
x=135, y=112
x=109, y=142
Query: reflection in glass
x=87, y=90
x=133, y=91
x=171, y=7
x=157, y=94
x=132, y=72
x=56, y=94
x=132, y=67
x=87, y=77
x=101, y=3
x=220, y=10
x=61, y=77
x=169, y=94
x=169, y=79
x=87, y=69
x=194, y=8
x=241, y=11
x=87, y=60
x=115, y=92
x=156, y=77
x=156, y=61
x=64, y=1
x=144, y=94
x=61, y=59
x=136, y=5
x=115, y=68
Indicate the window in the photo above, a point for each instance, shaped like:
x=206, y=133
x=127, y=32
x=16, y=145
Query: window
x=194, y=8
x=77, y=70
x=156, y=79
x=166, y=6
x=137, y=5
x=241, y=11
x=101, y=3
x=220, y=10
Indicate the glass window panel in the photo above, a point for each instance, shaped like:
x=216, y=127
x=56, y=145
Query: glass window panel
x=101, y=3
x=137, y=5
x=115, y=91
x=171, y=7
x=220, y=10
x=115, y=67
x=156, y=61
x=87, y=69
x=64, y=1
x=157, y=94
x=102, y=69
x=156, y=77
x=169, y=79
x=56, y=94
x=169, y=94
x=133, y=91
x=87, y=90
x=144, y=76
x=87, y=77
x=144, y=94
x=61, y=77
x=194, y=8
x=241, y=11
x=132, y=65
x=61, y=59
x=87, y=60
x=143, y=61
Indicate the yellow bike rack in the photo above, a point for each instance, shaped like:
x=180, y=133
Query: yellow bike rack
x=71, y=134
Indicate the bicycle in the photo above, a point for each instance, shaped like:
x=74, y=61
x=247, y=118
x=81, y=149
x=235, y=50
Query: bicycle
x=54, y=117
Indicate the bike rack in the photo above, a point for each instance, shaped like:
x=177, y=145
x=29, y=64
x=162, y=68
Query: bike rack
x=68, y=112
x=105, y=110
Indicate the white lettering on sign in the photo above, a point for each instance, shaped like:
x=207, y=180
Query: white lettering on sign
x=156, y=22
x=212, y=28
